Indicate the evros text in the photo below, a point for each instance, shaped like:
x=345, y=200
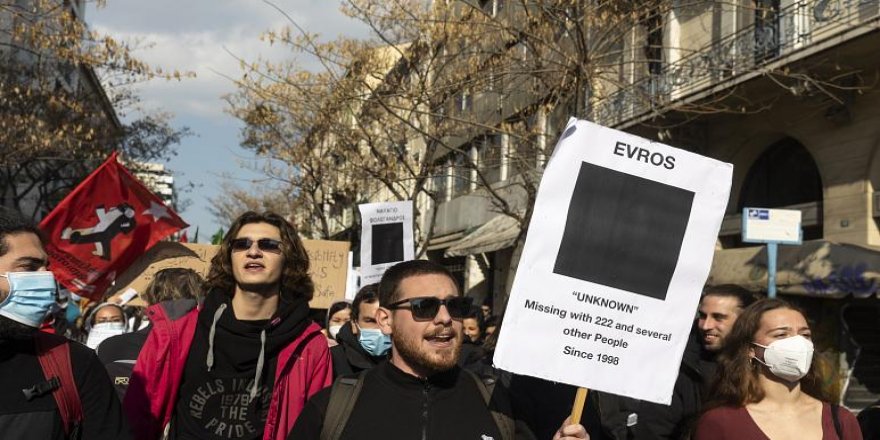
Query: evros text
x=642, y=155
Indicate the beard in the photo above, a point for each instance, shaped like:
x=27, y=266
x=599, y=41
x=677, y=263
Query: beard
x=14, y=330
x=429, y=360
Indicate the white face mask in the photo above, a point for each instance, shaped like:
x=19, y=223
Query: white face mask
x=334, y=330
x=788, y=358
x=102, y=331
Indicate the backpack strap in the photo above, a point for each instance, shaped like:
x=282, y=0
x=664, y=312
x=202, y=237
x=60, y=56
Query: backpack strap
x=835, y=418
x=343, y=395
x=498, y=407
x=54, y=359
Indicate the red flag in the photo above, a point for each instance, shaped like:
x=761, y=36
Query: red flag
x=183, y=238
x=102, y=226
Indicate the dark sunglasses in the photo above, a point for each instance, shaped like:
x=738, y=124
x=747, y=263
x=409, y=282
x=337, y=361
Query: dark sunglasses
x=264, y=244
x=425, y=308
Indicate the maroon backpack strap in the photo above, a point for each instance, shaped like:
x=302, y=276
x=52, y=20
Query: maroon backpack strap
x=54, y=357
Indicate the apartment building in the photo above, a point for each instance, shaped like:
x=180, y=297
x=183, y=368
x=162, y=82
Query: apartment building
x=786, y=91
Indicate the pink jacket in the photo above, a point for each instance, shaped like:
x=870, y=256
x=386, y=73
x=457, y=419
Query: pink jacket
x=155, y=381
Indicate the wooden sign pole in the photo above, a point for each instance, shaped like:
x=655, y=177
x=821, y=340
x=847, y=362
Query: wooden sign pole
x=578, y=408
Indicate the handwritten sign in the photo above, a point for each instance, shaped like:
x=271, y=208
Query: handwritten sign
x=328, y=262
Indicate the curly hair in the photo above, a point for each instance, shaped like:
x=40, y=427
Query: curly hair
x=295, y=279
x=736, y=381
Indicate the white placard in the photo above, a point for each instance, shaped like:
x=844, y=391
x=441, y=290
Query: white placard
x=127, y=296
x=351, y=285
x=386, y=237
x=762, y=225
x=619, y=247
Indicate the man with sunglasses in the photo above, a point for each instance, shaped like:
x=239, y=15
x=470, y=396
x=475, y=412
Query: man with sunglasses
x=420, y=392
x=242, y=364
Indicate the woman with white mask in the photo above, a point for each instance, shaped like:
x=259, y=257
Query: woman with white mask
x=768, y=385
x=108, y=319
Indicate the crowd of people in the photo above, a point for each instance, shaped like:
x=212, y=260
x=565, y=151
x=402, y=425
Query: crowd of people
x=238, y=355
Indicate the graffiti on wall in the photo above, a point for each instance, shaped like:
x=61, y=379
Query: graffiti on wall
x=848, y=278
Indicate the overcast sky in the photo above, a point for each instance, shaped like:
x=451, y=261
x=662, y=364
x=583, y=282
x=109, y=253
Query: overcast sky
x=195, y=35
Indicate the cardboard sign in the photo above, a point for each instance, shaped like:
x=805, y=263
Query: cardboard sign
x=328, y=263
x=618, y=249
x=386, y=238
x=164, y=255
x=328, y=267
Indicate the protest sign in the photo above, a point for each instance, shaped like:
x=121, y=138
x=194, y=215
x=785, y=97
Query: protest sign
x=328, y=265
x=164, y=255
x=352, y=285
x=618, y=249
x=386, y=238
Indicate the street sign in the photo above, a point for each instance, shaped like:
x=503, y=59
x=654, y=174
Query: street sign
x=761, y=225
x=773, y=227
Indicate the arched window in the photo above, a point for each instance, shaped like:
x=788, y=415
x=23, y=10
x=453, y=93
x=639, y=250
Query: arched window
x=785, y=175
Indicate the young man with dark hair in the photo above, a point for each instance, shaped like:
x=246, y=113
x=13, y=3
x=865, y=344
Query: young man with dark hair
x=719, y=308
x=30, y=398
x=361, y=343
x=242, y=364
x=420, y=392
x=629, y=418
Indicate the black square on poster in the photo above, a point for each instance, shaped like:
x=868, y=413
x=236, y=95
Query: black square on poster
x=387, y=243
x=623, y=231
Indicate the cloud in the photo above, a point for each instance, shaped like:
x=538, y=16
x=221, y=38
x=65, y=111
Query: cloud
x=195, y=35
x=206, y=37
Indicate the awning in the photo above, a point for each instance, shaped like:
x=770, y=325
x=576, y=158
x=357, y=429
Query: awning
x=816, y=268
x=444, y=241
x=498, y=233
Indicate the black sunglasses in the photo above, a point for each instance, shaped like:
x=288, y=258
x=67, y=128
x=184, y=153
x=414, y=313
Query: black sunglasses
x=425, y=308
x=264, y=244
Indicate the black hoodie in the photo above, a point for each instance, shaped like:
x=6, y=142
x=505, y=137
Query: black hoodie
x=349, y=357
x=226, y=387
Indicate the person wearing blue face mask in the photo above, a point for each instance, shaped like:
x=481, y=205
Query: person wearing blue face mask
x=29, y=397
x=361, y=344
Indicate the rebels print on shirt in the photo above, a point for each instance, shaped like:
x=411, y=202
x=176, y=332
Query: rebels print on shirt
x=221, y=408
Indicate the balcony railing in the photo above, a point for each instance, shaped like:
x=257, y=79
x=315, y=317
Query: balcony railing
x=802, y=24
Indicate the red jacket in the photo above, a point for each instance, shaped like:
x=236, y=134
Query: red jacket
x=155, y=381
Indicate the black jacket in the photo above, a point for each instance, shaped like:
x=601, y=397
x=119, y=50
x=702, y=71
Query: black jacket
x=624, y=418
x=395, y=405
x=349, y=357
x=38, y=418
x=217, y=402
x=118, y=354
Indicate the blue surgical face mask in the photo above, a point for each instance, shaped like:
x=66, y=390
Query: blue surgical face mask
x=31, y=294
x=374, y=341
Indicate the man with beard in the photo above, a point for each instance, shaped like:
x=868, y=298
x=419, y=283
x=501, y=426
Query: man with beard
x=29, y=398
x=420, y=392
x=242, y=364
